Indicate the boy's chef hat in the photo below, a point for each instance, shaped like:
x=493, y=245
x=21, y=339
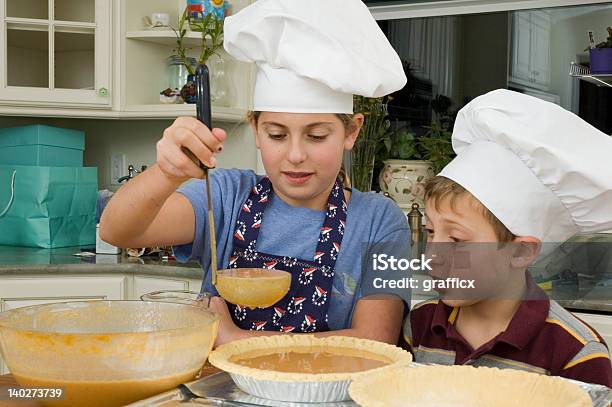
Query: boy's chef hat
x=540, y=169
x=313, y=55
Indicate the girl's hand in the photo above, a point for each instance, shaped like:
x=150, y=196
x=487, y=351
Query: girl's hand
x=183, y=143
x=228, y=331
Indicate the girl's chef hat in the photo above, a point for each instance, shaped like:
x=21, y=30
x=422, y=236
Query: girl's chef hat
x=540, y=169
x=313, y=55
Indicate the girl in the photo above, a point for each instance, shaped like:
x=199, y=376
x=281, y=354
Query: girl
x=299, y=217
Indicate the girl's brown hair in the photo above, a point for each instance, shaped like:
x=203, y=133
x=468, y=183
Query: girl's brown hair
x=349, y=127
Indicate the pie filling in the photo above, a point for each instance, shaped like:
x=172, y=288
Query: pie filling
x=311, y=360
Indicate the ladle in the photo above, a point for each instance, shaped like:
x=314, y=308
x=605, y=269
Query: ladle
x=246, y=287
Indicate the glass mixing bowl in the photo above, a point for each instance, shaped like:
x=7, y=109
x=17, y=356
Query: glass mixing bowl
x=106, y=353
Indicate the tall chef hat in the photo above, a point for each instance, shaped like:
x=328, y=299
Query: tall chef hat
x=540, y=169
x=313, y=55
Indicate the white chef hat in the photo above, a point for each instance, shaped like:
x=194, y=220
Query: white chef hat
x=540, y=169
x=313, y=55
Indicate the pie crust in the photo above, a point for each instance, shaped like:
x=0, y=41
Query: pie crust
x=464, y=386
x=301, y=387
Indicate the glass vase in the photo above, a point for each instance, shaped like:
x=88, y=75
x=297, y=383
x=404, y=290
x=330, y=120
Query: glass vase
x=219, y=90
x=361, y=173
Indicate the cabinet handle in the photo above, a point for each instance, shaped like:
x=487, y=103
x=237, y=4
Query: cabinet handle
x=103, y=92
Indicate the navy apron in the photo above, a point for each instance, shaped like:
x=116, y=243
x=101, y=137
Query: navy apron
x=304, y=308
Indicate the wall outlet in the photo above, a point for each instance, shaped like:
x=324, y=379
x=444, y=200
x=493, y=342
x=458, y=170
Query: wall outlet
x=118, y=168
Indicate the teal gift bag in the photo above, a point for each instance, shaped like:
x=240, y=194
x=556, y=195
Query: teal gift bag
x=48, y=206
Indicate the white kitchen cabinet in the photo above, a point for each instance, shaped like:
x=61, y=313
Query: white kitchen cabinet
x=56, y=53
x=143, y=53
x=601, y=323
x=530, y=53
x=22, y=291
x=97, y=59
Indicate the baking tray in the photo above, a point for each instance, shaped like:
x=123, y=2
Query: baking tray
x=222, y=391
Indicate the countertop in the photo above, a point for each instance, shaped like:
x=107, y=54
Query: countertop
x=25, y=260
x=8, y=380
x=580, y=273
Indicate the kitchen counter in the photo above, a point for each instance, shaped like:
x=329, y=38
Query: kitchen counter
x=8, y=380
x=25, y=260
x=577, y=284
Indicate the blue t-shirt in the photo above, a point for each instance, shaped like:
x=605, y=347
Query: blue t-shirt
x=293, y=231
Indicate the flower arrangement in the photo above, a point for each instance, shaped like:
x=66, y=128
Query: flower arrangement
x=375, y=136
x=211, y=28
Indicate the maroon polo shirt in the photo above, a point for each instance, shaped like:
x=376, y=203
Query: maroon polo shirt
x=542, y=337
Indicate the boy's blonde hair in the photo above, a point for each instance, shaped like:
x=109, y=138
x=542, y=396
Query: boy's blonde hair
x=349, y=127
x=439, y=188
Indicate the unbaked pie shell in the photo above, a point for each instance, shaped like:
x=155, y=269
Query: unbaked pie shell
x=300, y=387
x=464, y=386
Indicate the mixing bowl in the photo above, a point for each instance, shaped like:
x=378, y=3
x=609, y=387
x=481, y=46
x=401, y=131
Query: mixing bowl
x=106, y=353
x=179, y=296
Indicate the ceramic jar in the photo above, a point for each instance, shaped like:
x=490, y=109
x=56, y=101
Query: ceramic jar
x=404, y=181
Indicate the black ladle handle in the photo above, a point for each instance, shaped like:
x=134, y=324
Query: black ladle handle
x=203, y=107
x=204, y=114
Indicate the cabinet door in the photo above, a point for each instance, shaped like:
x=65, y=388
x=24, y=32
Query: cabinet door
x=18, y=292
x=521, y=50
x=56, y=52
x=540, y=48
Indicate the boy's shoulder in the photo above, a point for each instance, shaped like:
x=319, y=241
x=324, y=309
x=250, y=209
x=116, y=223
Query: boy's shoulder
x=572, y=338
x=576, y=349
x=570, y=324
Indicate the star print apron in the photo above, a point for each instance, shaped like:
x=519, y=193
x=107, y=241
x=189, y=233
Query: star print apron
x=304, y=308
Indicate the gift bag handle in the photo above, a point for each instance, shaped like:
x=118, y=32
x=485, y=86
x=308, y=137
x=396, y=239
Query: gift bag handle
x=10, y=202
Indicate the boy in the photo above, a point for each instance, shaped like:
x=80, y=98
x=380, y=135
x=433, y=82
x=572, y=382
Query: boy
x=528, y=174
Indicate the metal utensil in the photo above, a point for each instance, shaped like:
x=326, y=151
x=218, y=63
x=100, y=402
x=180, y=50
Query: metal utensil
x=204, y=114
x=187, y=393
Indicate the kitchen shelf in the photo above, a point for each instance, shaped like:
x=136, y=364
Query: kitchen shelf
x=584, y=73
x=165, y=37
x=220, y=113
x=161, y=111
x=31, y=24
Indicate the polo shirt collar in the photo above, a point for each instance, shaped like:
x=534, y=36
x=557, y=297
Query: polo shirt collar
x=443, y=317
x=527, y=321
